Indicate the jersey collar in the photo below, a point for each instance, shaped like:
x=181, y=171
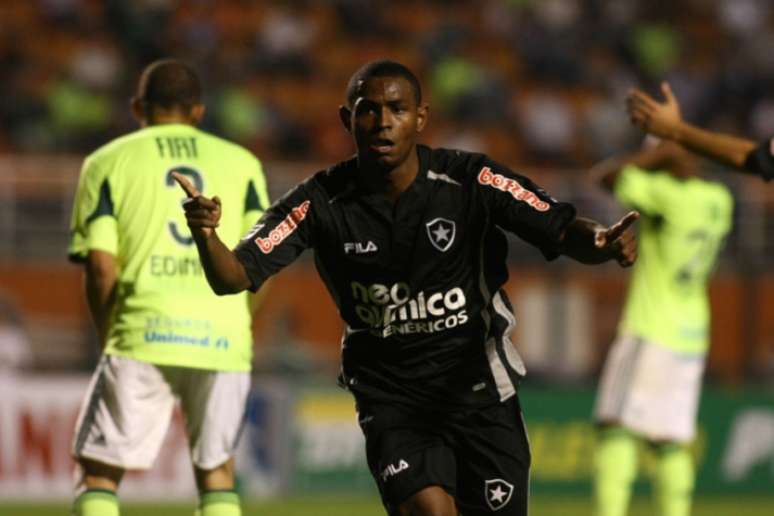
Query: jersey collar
x=352, y=189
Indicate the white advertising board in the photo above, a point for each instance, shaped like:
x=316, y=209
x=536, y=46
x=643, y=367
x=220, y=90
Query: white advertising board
x=37, y=417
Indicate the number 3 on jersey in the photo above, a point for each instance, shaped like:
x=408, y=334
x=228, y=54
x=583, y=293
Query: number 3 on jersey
x=182, y=237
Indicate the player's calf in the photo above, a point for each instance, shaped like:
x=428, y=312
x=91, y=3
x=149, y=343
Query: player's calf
x=216, y=491
x=674, y=479
x=96, y=488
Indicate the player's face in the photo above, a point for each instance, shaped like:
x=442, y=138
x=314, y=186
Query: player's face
x=385, y=121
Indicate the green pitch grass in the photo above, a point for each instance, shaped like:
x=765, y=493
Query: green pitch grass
x=353, y=506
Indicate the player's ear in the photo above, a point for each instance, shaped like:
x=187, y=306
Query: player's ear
x=138, y=111
x=345, y=115
x=423, y=111
x=197, y=113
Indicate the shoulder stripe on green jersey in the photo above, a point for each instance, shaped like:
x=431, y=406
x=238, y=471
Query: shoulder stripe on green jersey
x=252, y=201
x=104, y=205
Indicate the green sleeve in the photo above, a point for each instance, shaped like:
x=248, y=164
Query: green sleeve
x=93, y=224
x=256, y=198
x=641, y=189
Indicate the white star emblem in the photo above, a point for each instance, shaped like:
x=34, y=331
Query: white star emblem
x=498, y=494
x=441, y=233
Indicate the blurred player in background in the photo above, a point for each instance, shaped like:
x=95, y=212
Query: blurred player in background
x=663, y=119
x=15, y=353
x=651, y=381
x=409, y=242
x=165, y=334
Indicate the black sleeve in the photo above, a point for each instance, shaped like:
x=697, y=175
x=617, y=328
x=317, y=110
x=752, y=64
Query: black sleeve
x=761, y=160
x=282, y=233
x=518, y=205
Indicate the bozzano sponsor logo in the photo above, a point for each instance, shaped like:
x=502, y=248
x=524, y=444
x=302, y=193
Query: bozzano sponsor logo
x=284, y=229
x=506, y=184
x=392, y=309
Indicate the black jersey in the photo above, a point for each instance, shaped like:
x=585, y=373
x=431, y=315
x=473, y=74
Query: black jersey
x=418, y=283
x=761, y=160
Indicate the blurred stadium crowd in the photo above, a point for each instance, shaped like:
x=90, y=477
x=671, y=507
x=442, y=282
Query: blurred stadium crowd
x=535, y=82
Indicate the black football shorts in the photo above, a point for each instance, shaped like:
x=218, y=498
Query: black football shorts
x=481, y=457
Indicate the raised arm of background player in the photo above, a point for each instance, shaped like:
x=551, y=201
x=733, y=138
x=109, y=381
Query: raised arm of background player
x=664, y=155
x=664, y=120
x=584, y=240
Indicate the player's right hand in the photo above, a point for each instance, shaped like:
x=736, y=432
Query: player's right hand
x=619, y=240
x=659, y=118
x=201, y=213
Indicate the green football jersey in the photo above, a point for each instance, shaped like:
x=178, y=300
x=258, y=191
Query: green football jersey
x=683, y=226
x=128, y=204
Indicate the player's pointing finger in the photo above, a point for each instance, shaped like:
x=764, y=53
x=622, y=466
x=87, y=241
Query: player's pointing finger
x=617, y=229
x=186, y=185
x=604, y=238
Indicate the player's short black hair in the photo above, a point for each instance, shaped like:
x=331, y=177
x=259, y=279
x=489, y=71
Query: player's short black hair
x=382, y=68
x=169, y=83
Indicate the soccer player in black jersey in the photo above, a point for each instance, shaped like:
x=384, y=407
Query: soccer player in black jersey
x=409, y=241
x=664, y=119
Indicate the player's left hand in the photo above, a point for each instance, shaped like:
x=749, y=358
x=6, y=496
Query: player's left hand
x=619, y=240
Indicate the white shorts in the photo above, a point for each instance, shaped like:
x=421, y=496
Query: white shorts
x=128, y=407
x=650, y=390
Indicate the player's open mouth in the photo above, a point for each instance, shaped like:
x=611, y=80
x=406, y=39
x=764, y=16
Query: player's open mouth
x=382, y=145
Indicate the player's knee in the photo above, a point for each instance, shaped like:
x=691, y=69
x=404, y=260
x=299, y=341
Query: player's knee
x=435, y=511
x=616, y=454
x=422, y=510
x=431, y=501
x=217, y=478
x=98, y=475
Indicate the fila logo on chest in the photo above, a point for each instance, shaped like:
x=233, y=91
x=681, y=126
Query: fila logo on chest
x=360, y=247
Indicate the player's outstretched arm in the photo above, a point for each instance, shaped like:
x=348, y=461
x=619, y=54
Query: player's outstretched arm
x=663, y=119
x=590, y=242
x=224, y=272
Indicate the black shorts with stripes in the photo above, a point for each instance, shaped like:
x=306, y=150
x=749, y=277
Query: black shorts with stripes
x=480, y=457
